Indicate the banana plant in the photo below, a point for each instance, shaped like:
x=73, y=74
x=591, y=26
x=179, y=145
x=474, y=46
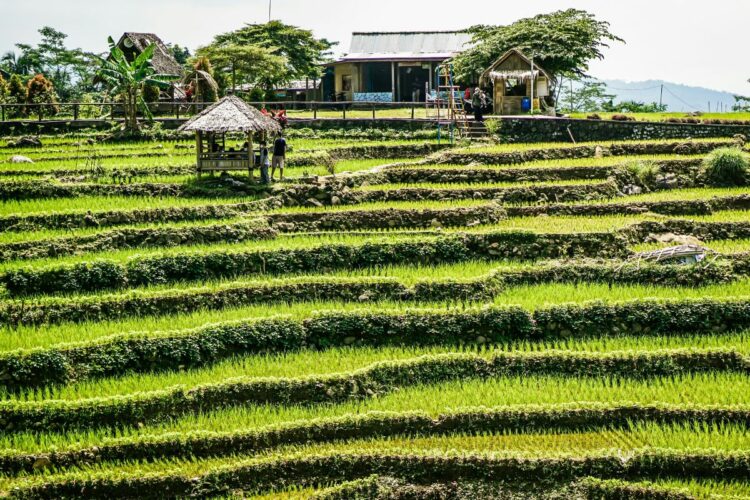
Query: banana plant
x=127, y=79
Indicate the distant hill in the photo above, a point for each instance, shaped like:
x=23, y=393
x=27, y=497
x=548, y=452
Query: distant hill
x=676, y=96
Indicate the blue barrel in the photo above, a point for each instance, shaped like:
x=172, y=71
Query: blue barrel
x=526, y=104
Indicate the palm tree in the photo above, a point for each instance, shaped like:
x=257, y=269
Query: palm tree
x=127, y=80
x=14, y=64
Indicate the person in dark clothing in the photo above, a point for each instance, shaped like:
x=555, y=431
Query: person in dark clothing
x=477, y=103
x=265, y=162
x=279, y=156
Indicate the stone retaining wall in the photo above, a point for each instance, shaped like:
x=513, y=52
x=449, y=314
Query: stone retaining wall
x=524, y=129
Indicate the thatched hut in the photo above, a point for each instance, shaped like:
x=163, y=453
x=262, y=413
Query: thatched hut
x=230, y=114
x=519, y=84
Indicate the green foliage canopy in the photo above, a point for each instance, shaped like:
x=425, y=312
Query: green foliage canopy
x=40, y=91
x=563, y=43
x=269, y=54
x=585, y=96
x=70, y=70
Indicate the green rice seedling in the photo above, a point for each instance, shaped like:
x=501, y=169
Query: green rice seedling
x=706, y=489
x=699, y=389
x=531, y=297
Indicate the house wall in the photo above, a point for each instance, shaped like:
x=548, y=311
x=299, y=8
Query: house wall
x=344, y=70
x=402, y=72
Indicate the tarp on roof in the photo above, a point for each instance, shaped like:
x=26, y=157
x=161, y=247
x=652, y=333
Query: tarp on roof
x=429, y=45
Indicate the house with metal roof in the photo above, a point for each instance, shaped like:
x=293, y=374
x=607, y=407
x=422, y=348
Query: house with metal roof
x=393, y=66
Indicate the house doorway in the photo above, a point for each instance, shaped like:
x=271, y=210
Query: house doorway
x=412, y=81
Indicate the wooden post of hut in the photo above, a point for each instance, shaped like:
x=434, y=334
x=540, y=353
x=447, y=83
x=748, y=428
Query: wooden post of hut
x=231, y=114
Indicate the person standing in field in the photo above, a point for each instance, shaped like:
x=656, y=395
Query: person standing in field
x=279, y=156
x=265, y=162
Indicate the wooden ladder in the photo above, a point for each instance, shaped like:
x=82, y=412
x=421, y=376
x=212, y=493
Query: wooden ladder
x=456, y=109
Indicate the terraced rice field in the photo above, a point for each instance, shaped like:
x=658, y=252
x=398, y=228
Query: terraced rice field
x=469, y=323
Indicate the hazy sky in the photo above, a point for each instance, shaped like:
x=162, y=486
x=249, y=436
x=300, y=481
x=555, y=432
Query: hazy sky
x=696, y=42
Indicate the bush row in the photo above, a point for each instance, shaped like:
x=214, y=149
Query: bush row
x=377, y=425
x=71, y=220
x=258, y=476
x=613, y=489
x=530, y=194
x=385, y=150
x=140, y=303
x=407, y=174
x=42, y=189
x=147, y=352
x=706, y=231
x=387, y=218
x=104, y=172
x=465, y=157
x=217, y=264
x=677, y=207
x=376, y=380
x=265, y=227
x=159, y=236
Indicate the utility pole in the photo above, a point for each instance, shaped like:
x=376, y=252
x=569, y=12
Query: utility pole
x=270, y=2
x=661, y=96
x=532, y=85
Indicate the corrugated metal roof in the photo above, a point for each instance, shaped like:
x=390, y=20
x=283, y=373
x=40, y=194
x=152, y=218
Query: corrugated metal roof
x=407, y=45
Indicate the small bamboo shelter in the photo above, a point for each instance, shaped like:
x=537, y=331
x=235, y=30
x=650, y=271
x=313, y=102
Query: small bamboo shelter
x=230, y=114
x=519, y=84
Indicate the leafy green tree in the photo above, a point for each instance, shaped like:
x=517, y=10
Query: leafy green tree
x=741, y=103
x=71, y=70
x=16, y=95
x=180, y=54
x=41, y=92
x=246, y=64
x=635, y=107
x=585, y=96
x=563, y=43
x=16, y=64
x=297, y=53
x=128, y=79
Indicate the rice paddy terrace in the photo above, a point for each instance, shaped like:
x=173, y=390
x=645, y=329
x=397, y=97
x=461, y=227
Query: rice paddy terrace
x=427, y=323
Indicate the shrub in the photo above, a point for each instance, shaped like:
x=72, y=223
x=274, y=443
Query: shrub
x=151, y=94
x=623, y=118
x=726, y=167
x=16, y=95
x=644, y=171
x=493, y=126
x=4, y=90
x=40, y=90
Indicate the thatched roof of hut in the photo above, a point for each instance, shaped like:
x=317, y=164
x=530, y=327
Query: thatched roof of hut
x=163, y=62
x=513, y=65
x=231, y=114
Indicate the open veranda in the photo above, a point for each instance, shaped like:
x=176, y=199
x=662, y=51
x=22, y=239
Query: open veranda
x=392, y=316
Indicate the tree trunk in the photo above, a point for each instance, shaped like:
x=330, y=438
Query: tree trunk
x=131, y=110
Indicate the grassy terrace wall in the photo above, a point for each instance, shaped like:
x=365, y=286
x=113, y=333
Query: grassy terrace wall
x=519, y=129
x=322, y=469
x=125, y=353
